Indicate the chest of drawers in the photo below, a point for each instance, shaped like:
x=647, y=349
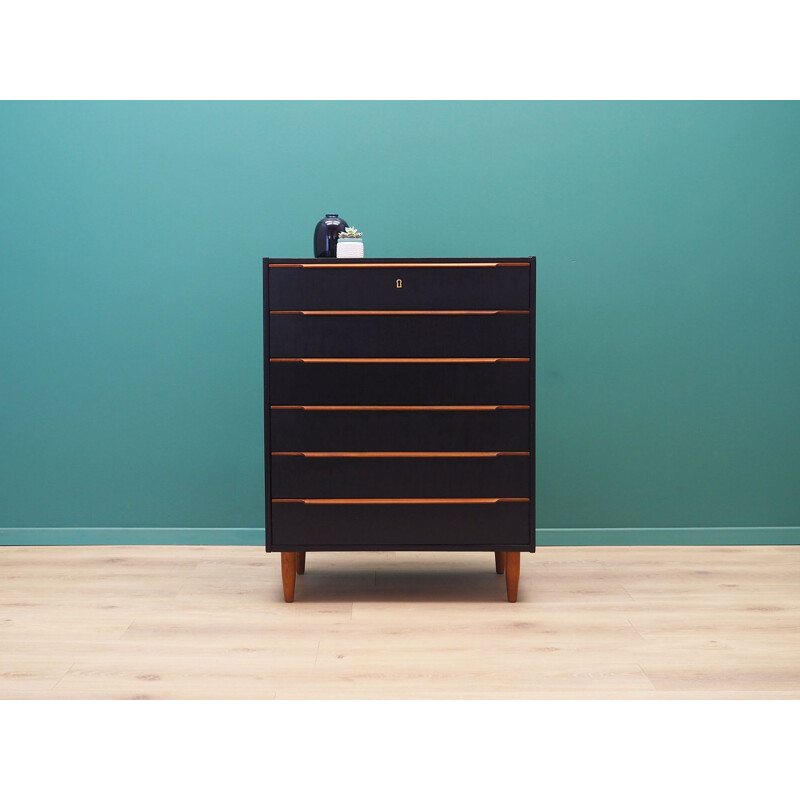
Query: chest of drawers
x=399, y=407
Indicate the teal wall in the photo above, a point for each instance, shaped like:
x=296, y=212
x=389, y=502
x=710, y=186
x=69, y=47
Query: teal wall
x=668, y=245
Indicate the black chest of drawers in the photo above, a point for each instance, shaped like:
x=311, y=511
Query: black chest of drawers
x=399, y=407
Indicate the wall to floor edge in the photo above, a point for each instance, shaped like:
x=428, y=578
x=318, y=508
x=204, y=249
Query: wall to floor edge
x=546, y=537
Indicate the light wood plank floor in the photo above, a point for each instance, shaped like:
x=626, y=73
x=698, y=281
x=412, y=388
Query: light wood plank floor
x=210, y=622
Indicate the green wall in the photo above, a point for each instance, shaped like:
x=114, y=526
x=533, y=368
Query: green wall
x=668, y=245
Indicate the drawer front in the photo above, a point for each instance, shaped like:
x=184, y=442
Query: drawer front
x=501, y=430
x=399, y=383
x=298, y=288
x=381, y=476
x=393, y=335
x=298, y=526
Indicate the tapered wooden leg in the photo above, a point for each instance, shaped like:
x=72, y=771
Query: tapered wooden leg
x=289, y=575
x=512, y=576
x=499, y=561
x=301, y=563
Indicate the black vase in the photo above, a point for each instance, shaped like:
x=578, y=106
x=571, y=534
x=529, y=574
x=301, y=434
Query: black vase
x=325, y=235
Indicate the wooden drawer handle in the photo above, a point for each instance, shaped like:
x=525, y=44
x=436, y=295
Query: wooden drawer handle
x=397, y=360
x=403, y=265
x=396, y=313
x=398, y=454
x=331, y=501
x=398, y=408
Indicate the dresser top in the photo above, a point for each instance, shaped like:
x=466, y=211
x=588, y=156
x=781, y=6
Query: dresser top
x=523, y=261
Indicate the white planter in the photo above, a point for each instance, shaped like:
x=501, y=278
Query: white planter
x=349, y=248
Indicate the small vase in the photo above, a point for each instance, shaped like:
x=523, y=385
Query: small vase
x=325, y=235
x=350, y=248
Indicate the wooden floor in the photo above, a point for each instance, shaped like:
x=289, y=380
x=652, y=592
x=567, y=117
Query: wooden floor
x=210, y=622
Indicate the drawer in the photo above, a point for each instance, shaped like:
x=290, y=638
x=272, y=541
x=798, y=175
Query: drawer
x=382, y=287
x=300, y=526
x=498, y=382
x=398, y=334
x=380, y=475
x=390, y=429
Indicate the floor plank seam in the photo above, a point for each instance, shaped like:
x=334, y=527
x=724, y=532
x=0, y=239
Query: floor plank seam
x=647, y=677
x=638, y=633
x=53, y=688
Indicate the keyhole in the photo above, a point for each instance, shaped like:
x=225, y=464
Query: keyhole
x=399, y=283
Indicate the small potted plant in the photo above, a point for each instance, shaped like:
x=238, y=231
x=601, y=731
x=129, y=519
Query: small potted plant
x=350, y=244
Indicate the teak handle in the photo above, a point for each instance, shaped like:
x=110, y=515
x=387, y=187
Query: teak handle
x=396, y=313
x=398, y=360
x=404, y=265
x=398, y=454
x=398, y=408
x=329, y=501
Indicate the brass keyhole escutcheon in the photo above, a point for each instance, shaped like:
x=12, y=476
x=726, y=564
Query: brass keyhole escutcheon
x=399, y=283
